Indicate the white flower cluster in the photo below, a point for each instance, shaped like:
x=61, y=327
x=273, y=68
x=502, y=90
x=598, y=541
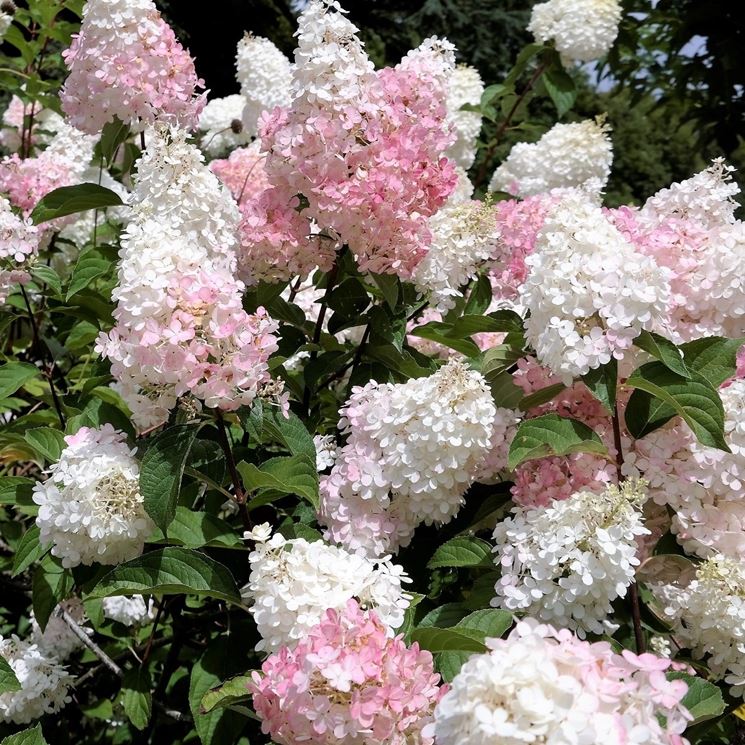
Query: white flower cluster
x=326, y=451
x=73, y=148
x=589, y=292
x=464, y=87
x=545, y=686
x=575, y=155
x=19, y=245
x=410, y=456
x=582, y=30
x=492, y=467
x=222, y=124
x=567, y=563
x=131, y=611
x=6, y=19
x=708, y=617
x=465, y=235
x=294, y=582
x=44, y=682
x=265, y=77
x=90, y=507
x=58, y=639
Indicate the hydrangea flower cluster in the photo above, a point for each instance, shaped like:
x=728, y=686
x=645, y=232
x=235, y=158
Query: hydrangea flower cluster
x=566, y=563
x=575, y=155
x=708, y=617
x=294, y=582
x=90, y=507
x=6, y=19
x=45, y=684
x=411, y=453
x=265, y=77
x=180, y=324
x=464, y=88
x=62, y=163
x=347, y=681
x=464, y=237
x=58, y=639
x=589, y=292
x=372, y=166
x=131, y=611
x=690, y=229
x=582, y=30
x=126, y=62
x=704, y=486
x=19, y=245
x=221, y=122
x=543, y=685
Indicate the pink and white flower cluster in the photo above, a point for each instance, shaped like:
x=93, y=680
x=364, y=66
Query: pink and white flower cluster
x=348, y=681
x=19, y=245
x=180, y=325
x=126, y=62
x=543, y=685
x=412, y=451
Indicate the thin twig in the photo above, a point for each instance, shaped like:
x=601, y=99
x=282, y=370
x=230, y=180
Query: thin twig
x=149, y=647
x=633, y=589
x=78, y=631
x=240, y=494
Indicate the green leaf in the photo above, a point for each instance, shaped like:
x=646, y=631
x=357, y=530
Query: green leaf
x=169, y=571
x=90, y=266
x=645, y=413
x=290, y=431
x=136, y=698
x=223, y=658
x=30, y=736
x=480, y=297
x=540, y=397
x=230, y=692
x=560, y=87
x=694, y=399
x=663, y=350
x=28, y=551
x=490, y=622
x=704, y=700
x=714, y=357
x=13, y=375
x=161, y=471
x=462, y=552
x=504, y=391
x=430, y=331
x=295, y=474
x=446, y=640
x=504, y=321
x=602, y=383
x=8, y=680
x=68, y=200
x=500, y=358
x=46, y=441
x=552, y=434
x=388, y=284
x=48, y=276
x=198, y=529
x=51, y=584
x=113, y=135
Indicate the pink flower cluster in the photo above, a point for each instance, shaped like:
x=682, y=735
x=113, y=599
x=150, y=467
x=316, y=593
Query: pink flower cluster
x=19, y=244
x=126, y=62
x=276, y=241
x=364, y=149
x=347, y=681
x=25, y=182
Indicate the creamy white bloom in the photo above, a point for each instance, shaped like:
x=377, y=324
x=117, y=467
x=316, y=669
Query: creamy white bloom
x=90, y=507
x=708, y=616
x=567, y=563
x=293, y=583
x=265, y=77
x=464, y=236
x=131, y=611
x=219, y=121
x=44, y=682
x=326, y=451
x=582, y=30
x=19, y=245
x=411, y=454
x=58, y=639
x=464, y=87
x=589, y=292
x=575, y=155
x=5, y=20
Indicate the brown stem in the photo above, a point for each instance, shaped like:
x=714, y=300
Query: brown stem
x=633, y=589
x=151, y=638
x=481, y=176
x=240, y=494
x=48, y=368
